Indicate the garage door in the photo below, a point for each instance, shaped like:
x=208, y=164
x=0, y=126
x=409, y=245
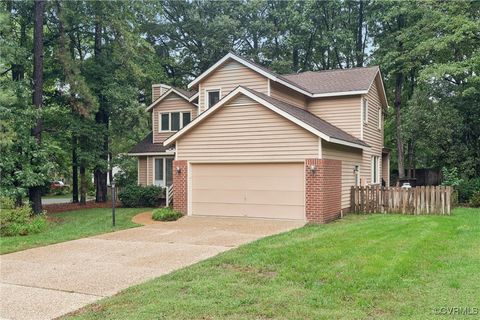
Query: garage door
x=273, y=191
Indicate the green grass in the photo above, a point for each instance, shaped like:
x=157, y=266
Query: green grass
x=72, y=225
x=362, y=267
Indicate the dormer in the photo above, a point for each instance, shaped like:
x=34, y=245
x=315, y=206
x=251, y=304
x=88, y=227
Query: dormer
x=171, y=111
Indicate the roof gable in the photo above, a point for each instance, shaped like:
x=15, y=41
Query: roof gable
x=315, y=84
x=187, y=95
x=299, y=116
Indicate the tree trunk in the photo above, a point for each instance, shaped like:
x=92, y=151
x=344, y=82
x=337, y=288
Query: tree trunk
x=398, y=124
x=35, y=193
x=83, y=185
x=101, y=117
x=74, y=170
x=359, y=42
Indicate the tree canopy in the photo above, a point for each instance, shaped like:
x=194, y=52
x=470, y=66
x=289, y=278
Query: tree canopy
x=100, y=59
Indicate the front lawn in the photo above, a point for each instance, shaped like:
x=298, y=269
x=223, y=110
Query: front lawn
x=374, y=266
x=72, y=225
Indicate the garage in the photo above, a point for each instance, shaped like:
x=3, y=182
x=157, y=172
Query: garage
x=255, y=190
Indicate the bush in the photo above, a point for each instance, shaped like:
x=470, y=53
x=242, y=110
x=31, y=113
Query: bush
x=138, y=196
x=166, y=214
x=467, y=188
x=475, y=200
x=16, y=221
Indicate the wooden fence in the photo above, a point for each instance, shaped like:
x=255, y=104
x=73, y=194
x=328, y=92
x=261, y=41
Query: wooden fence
x=419, y=200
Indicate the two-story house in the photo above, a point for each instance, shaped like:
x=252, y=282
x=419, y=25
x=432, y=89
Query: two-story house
x=245, y=141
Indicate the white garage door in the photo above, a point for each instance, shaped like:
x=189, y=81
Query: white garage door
x=249, y=190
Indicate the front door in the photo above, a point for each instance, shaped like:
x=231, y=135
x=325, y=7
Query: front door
x=163, y=172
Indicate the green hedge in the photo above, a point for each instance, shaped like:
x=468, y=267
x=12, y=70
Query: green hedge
x=166, y=214
x=19, y=221
x=138, y=196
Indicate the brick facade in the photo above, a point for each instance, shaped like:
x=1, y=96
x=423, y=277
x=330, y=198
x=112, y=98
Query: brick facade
x=323, y=190
x=180, y=185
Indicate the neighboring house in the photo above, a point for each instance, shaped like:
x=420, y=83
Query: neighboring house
x=245, y=141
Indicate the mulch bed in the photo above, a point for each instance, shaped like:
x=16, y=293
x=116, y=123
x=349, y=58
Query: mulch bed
x=62, y=207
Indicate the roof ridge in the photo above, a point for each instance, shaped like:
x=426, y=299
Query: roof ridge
x=330, y=70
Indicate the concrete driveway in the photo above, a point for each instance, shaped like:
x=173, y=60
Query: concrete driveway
x=46, y=282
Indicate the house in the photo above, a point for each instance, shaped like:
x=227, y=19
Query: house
x=245, y=141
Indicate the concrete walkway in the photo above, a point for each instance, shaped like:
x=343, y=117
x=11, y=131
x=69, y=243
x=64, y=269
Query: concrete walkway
x=47, y=282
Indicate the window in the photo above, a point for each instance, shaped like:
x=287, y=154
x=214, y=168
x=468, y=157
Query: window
x=165, y=123
x=375, y=169
x=159, y=172
x=357, y=175
x=163, y=172
x=380, y=118
x=174, y=121
x=186, y=118
x=213, y=96
x=365, y=110
x=169, y=171
x=175, y=118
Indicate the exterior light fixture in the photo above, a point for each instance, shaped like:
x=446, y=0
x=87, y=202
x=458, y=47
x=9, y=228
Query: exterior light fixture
x=179, y=170
x=313, y=168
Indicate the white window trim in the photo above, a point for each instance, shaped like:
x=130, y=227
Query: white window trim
x=164, y=170
x=212, y=89
x=365, y=110
x=170, y=120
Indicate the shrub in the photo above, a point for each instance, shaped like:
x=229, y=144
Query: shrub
x=451, y=177
x=467, y=189
x=166, y=214
x=16, y=221
x=475, y=200
x=138, y=196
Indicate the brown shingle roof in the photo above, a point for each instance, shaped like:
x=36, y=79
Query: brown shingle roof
x=326, y=81
x=147, y=146
x=186, y=93
x=330, y=81
x=310, y=119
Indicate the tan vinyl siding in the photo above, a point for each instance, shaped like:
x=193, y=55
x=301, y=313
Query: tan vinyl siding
x=287, y=95
x=350, y=157
x=343, y=112
x=371, y=134
x=246, y=132
x=229, y=76
x=172, y=103
x=150, y=164
x=142, y=171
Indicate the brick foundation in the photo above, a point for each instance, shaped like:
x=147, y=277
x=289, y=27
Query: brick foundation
x=180, y=185
x=323, y=190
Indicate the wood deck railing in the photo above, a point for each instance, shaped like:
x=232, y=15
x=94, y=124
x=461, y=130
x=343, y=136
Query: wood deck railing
x=419, y=200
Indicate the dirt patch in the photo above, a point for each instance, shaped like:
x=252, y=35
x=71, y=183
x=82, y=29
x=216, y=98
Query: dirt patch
x=145, y=218
x=62, y=207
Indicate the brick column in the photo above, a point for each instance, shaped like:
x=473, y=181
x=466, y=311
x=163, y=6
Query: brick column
x=323, y=190
x=180, y=186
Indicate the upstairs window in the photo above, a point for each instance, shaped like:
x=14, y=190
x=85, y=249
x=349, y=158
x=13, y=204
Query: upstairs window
x=174, y=121
x=165, y=122
x=213, y=96
x=380, y=118
x=365, y=110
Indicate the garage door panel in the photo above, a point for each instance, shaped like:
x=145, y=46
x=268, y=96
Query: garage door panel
x=250, y=197
x=262, y=190
x=247, y=183
x=256, y=170
x=252, y=211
